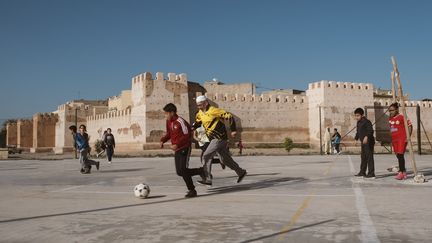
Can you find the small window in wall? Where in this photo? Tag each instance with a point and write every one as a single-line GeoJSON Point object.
{"type": "Point", "coordinates": [352, 86]}
{"type": "Point", "coordinates": [345, 86]}
{"type": "Point", "coordinates": [366, 87]}
{"type": "Point", "coordinates": [277, 99]}
{"type": "Point", "coordinates": [329, 85]}
{"type": "Point", "coordinates": [359, 87]}
{"type": "Point", "coordinates": [337, 85]}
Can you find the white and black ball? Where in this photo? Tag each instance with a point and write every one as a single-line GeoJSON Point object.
{"type": "Point", "coordinates": [141, 190]}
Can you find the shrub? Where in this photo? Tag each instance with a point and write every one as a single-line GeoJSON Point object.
{"type": "Point", "coordinates": [288, 144]}
{"type": "Point", "coordinates": [99, 146]}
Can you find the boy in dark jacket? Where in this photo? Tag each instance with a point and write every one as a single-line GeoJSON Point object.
{"type": "Point", "coordinates": [180, 134]}
{"type": "Point", "coordinates": [109, 142]}
{"type": "Point", "coordinates": [366, 137]}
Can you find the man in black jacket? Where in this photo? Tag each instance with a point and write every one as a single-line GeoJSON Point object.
{"type": "Point", "coordinates": [366, 137]}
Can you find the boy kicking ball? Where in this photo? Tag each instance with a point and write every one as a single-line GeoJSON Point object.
{"type": "Point", "coordinates": [180, 133]}
{"type": "Point", "coordinates": [399, 138]}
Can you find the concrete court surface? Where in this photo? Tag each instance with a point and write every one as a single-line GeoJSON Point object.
{"type": "Point", "coordinates": [283, 199]}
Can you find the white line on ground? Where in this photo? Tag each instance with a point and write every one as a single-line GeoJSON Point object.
{"type": "Point", "coordinates": [368, 231]}
{"type": "Point", "coordinates": [239, 194]}
{"type": "Point", "coordinates": [68, 188]}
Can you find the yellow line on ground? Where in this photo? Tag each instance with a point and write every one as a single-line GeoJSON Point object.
{"type": "Point", "coordinates": [303, 206]}
{"type": "Point", "coordinates": [296, 215]}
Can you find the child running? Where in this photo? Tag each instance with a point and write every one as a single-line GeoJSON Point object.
{"type": "Point", "coordinates": [180, 133]}
{"type": "Point", "coordinates": [211, 118]}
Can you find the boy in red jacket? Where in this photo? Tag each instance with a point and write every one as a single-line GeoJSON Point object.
{"type": "Point", "coordinates": [180, 133]}
{"type": "Point", "coordinates": [399, 138]}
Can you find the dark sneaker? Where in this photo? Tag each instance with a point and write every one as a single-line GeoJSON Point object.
{"type": "Point", "coordinates": [223, 166]}
{"type": "Point", "coordinates": [370, 176]}
{"type": "Point", "coordinates": [205, 182]}
{"type": "Point", "coordinates": [202, 175]}
{"type": "Point", "coordinates": [191, 193]}
{"type": "Point", "coordinates": [360, 175]}
{"type": "Point", "coordinates": [97, 165]}
{"type": "Point", "coordinates": [240, 178]}
{"type": "Point", "coordinates": [82, 171]}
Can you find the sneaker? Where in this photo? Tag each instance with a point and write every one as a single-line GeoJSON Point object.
{"type": "Point", "coordinates": [360, 174]}
{"type": "Point", "coordinates": [82, 171]}
{"type": "Point", "coordinates": [370, 176]}
{"type": "Point", "coordinates": [223, 166]}
{"type": "Point", "coordinates": [191, 193]}
{"type": "Point", "coordinates": [399, 176]}
{"type": "Point", "coordinates": [202, 175]}
{"type": "Point", "coordinates": [87, 171]}
{"type": "Point", "coordinates": [205, 182]}
{"type": "Point", "coordinates": [97, 165]}
{"type": "Point", "coordinates": [240, 178]}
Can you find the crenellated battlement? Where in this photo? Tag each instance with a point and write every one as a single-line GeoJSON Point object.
{"type": "Point", "coordinates": [147, 76]}
{"type": "Point", "coordinates": [110, 115]}
{"type": "Point", "coordinates": [325, 84]}
{"type": "Point", "coordinates": [251, 98]}
{"type": "Point", "coordinates": [412, 103]}
{"type": "Point", "coordinates": [45, 117]}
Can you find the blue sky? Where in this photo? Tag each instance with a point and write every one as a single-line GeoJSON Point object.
{"type": "Point", "coordinates": [55, 51]}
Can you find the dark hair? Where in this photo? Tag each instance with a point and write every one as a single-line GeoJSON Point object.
{"type": "Point", "coordinates": [335, 129]}
{"type": "Point", "coordinates": [109, 129]}
{"type": "Point", "coordinates": [170, 108]}
{"type": "Point", "coordinates": [395, 105]}
{"type": "Point", "coordinates": [359, 111]}
{"type": "Point", "coordinates": [84, 127]}
{"type": "Point", "coordinates": [73, 128]}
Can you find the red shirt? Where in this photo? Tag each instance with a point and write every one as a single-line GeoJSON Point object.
{"type": "Point", "coordinates": [179, 131]}
{"type": "Point", "coordinates": [397, 128]}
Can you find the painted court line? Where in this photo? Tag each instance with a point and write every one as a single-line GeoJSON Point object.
{"type": "Point", "coordinates": [368, 231]}
{"type": "Point", "coordinates": [239, 194]}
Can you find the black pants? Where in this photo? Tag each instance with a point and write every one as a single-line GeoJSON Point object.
{"type": "Point", "coordinates": [181, 159]}
{"type": "Point", "coordinates": [337, 147]}
{"type": "Point", "coordinates": [367, 158]}
{"type": "Point", "coordinates": [109, 152]}
{"type": "Point", "coordinates": [401, 160]}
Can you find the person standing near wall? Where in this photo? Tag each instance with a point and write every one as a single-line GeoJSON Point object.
{"type": "Point", "coordinates": [336, 138]}
{"type": "Point", "coordinates": [366, 137]}
{"type": "Point", "coordinates": [399, 138]}
{"type": "Point", "coordinates": [211, 118]}
{"type": "Point", "coordinates": [109, 142]}
{"type": "Point", "coordinates": [327, 141]}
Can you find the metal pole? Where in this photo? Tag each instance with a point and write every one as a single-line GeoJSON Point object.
{"type": "Point", "coordinates": [320, 132]}
{"type": "Point", "coordinates": [418, 130]}
{"type": "Point", "coordinates": [76, 125]}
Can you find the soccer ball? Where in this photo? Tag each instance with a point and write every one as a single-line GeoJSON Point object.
{"type": "Point", "coordinates": [142, 190]}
